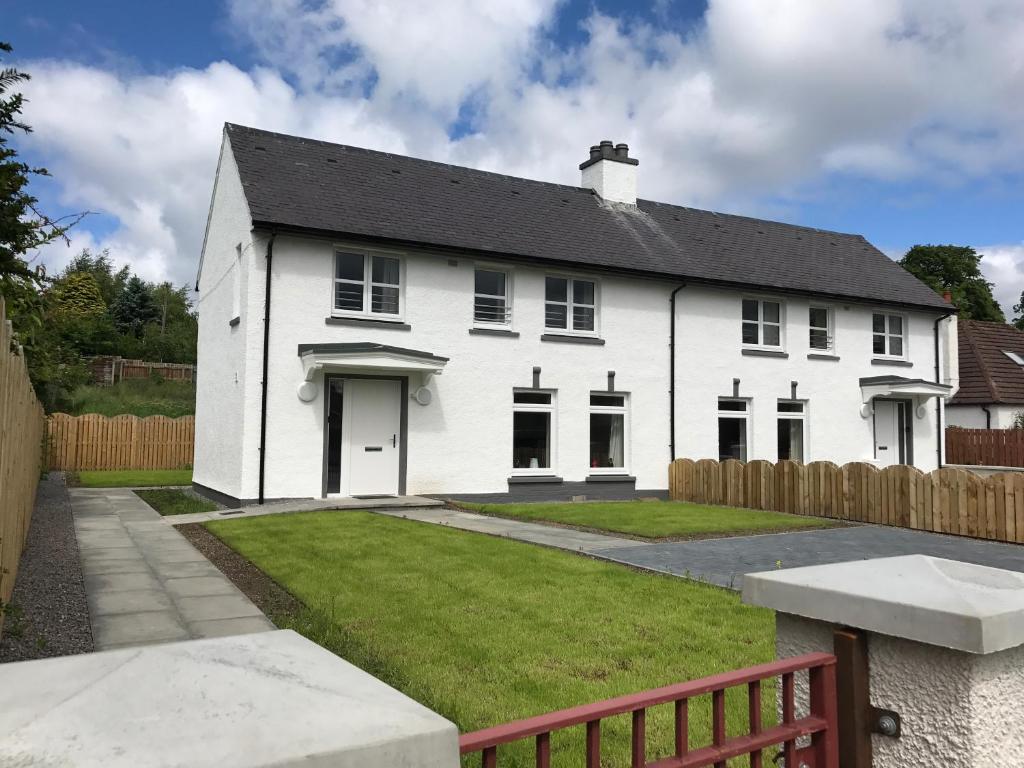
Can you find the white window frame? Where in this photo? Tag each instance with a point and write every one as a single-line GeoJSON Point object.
{"type": "Point", "coordinates": [368, 284]}
{"type": "Point", "coordinates": [761, 323]}
{"type": "Point", "coordinates": [551, 408]}
{"type": "Point", "coordinates": [626, 443]}
{"type": "Point", "coordinates": [830, 330]}
{"type": "Point", "coordinates": [507, 324]}
{"type": "Point", "coordinates": [569, 305]}
{"type": "Point", "coordinates": [904, 336]}
{"type": "Point", "coordinates": [800, 416]}
{"type": "Point", "coordinates": [744, 415]}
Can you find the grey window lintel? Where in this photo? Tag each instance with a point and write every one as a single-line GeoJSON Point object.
{"type": "Point", "coordinates": [369, 322]}
{"type": "Point", "coordinates": [528, 479]}
{"type": "Point", "coordinates": [893, 363]}
{"type": "Point", "coordinates": [567, 339]}
{"type": "Point", "coordinates": [493, 332]}
{"type": "Point", "coordinates": [765, 353]}
{"type": "Point", "coordinates": [823, 356]}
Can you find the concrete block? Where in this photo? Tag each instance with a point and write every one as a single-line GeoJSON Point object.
{"type": "Point", "coordinates": [137, 629]}
{"type": "Point", "coordinates": [257, 700]}
{"type": "Point", "coordinates": [107, 603]}
{"type": "Point", "coordinates": [946, 603]}
{"type": "Point", "coordinates": [216, 607]}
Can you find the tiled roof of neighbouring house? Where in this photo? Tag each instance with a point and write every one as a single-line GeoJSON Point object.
{"type": "Point", "coordinates": [987, 373]}
{"type": "Point", "coordinates": [316, 186]}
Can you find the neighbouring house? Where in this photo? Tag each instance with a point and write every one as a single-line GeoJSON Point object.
{"type": "Point", "coordinates": [991, 392]}
{"type": "Point", "coordinates": [373, 324]}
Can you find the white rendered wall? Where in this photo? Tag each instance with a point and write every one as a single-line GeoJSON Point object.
{"type": "Point", "coordinates": [224, 360]}
{"type": "Point", "coordinates": [709, 356]}
{"type": "Point", "coordinates": [462, 441]}
{"type": "Point", "coordinates": [973, 417]}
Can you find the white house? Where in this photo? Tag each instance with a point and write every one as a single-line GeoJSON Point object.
{"type": "Point", "coordinates": [431, 329]}
{"type": "Point", "coordinates": [991, 392]}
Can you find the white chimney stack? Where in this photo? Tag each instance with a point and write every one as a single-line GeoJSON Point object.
{"type": "Point", "coordinates": [611, 173]}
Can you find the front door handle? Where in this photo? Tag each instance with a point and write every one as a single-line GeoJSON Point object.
{"type": "Point", "coordinates": [394, 441]}
{"type": "Point", "coordinates": [883, 447]}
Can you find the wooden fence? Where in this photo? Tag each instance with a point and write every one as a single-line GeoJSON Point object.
{"type": "Point", "coordinates": [944, 501]}
{"type": "Point", "coordinates": [120, 442]}
{"type": "Point", "coordinates": [21, 444]}
{"type": "Point", "coordinates": [985, 447]}
{"type": "Point", "coordinates": [107, 370]}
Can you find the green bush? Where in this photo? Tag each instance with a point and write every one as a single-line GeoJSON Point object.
{"type": "Point", "coordinates": [139, 397]}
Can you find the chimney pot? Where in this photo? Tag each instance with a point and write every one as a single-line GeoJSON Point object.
{"type": "Point", "coordinates": [948, 297]}
{"type": "Point", "coordinates": [606, 143]}
{"type": "Point", "coordinates": [622, 150]}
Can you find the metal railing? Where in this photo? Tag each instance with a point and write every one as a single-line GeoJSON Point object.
{"type": "Point", "coordinates": [819, 725]}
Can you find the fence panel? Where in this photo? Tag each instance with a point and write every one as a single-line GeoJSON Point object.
{"type": "Point", "coordinates": [985, 447]}
{"type": "Point", "coordinates": [93, 441]}
{"type": "Point", "coordinates": [947, 500]}
{"type": "Point", "coordinates": [21, 444]}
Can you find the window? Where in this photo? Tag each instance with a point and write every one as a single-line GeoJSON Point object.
{"type": "Point", "coordinates": [570, 305]}
{"type": "Point", "coordinates": [491, 305]}
{"type": "Point", "coordinates": [532, 441]}
{"type": "Point", "coordinates": [607, 433]}
{"type": "Point", "coordinates": [791, 430]}
{"type": "Point", "coordinates": [732, 429]}
{"type": "Point", "coordinates": [821, 333]}
{"type": "Point", "coordinates": [888, 335]}
{"type": "Point", "coordinates": [762, 323]}
{"type": "Point", "coordinates": [353, 293]}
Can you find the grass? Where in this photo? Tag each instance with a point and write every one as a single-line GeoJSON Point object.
{"type": "Point", "coordinates": [484, 630]}
{"type": "Point", "coordinates": [133, 478]}
{"type": "Point", "coordinates": [168, 501]}
{"type": "Point", "coordinates": [656, 519]}
{"type": "Point", "coordinates": [139, 397]}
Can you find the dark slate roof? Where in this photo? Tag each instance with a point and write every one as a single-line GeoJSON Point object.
{"type": "Point", "coordinates": [315, 186]}
{"type": "Point", "coordinates": [987, 375]}
{"type": "Point", "coordinates": [368, 346]}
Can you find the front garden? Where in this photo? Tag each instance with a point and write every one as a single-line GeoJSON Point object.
{"type": "Point", "coordinates": [486, 630]}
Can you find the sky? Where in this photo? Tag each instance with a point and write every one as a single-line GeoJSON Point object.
{"type": "Point", "coordinates": [902, 120]}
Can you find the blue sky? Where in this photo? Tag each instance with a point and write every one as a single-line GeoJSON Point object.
{"type": "Point", "coordinates": [896, 119]}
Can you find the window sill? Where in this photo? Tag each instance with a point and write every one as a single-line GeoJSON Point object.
{"type": "Point", "coordinates": [893, 363]}
{"type": "Point", "coordinates": [494, 332]}
{"type": "Point", "coordinates": [369, 322]}
{"type": "Point", "coordinates": [765, 353]}
{"type": "Point", "coordinates": [823, 356]}
{"type": "Point", "coordinates": [565, 338]}
{"type": "Point", "coordinates": [234, 321]}
{"type": "Point", "coordinates": [610, 479]}
{"type": "Point", "coordinates": [524, 479]}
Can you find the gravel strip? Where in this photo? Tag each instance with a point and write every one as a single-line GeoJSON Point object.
{"type": "Point", "coordinates": [49, 614]}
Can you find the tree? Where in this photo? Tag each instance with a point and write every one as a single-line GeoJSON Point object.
{"type": "Point", "coordinates": [101, 267]}
{"type": "Point", "coordinates": [134, 309]}
{"type": "Point", "coordinates": [1018, 310]}
{"type": "Point", "coordinates": [78, 296]}
{"type": "Point", "coordinates": [957, 269]}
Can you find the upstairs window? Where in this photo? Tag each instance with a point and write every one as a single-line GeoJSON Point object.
{"type": "Point", "coordinates": [491, 303]}
{"type": "Point", "coordinates": [821, 333]}
{"type": "Point", "coordinates": [381, 294]}
{"type": "Point", "coordinates": [888, 335]}
{"type": "Point", "coordinates": [762, 323]}
{"type": "Point", "coordinates": [570, 305]}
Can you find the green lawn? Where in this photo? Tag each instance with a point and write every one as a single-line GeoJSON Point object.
{"type": "Point", "coordinates": [139, 397]}
{"type": "Point", "coordinates": [486, 630]}
{"type": "Point", "coordinates": [137, 478]}
{"type": "Point", "coordinates": [655, 519]}
{"type": "Point", "coordinates": [168, 501]}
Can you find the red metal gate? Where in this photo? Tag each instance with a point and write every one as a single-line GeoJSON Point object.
{"type": "Point", "coordinates": [819, 724]}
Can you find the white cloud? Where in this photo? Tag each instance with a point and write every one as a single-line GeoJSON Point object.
{"type": "Point", "coordinates": [760, 99]}
{"type": "Point", "coordinates": [1003, 265]}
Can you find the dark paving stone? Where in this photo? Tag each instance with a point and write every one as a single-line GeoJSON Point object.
{"type": "Point", "coordinates": [724, 561]}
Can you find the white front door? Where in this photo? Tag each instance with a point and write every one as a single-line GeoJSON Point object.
{"type": "Point", "coordinates": [891, 432]}
{"type": "Point", "coordinates": [371, 435]}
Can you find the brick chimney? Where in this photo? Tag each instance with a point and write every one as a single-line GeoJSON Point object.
{"type": "Point", "coordinates": [611, 172]}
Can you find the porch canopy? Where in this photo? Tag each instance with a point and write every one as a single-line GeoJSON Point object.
{"type": "Point", "coordinates": [899, 386]}
{"type": "Point", "coordinates": [368, 356]}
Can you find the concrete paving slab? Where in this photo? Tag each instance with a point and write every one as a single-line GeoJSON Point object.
{"type": "Point", "coordinates": [199, 586]}
{"type": "Point", "coordinates": [107, 555]}
{"type": "Point", "coordinates": [216, 607]}
{"type": "Point", "coordinates": [93, 540]}
{"type": "Point", "coordinates": [137, 629]}
{"type": "Point", "coordinates": [120, 582]}
{"type": "Point", "coordinates": [137, 565]}
{"type": "Point", "coordinates": [106, 603]}
{"type": "Point", "coordinates": [221, 627]}
{"type": "Point", "coordinates": [184, 570]}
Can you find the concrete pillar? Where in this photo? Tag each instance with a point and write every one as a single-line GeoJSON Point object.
{"type": "Point", "coordinates": [945, 651]}
{"type": "Point", "coordinates": [268, 699]}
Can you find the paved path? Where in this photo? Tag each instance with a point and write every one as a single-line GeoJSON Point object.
{"type": "Point", "coordinates": [304, 505]}
{"type": "Point", "coordinates": [144, 582]}
{"type": "Point", "coordinates": [725, 561]}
